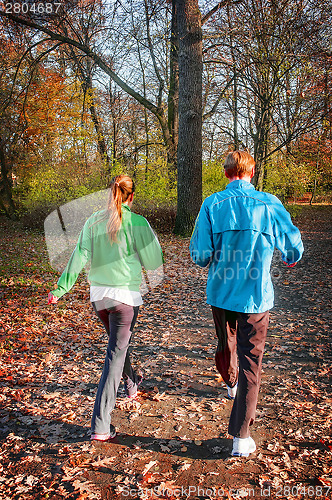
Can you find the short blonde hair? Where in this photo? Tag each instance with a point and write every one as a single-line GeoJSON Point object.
{"type": "Point", "coordinates": [239, 164]}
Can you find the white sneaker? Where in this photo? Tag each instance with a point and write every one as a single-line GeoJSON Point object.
{"type": "Point", "coordinates": [104, 437]}
{"type": "Point", "coordinates": [232, 391]}
{"type": "Point", "coordinates": [242, 447]}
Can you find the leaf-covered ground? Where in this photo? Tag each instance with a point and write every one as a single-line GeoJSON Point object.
{"type": "Point", "coordinates": [172, 441]}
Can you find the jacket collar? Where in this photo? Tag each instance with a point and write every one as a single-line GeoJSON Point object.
{"type": "Point", "coordinates": [125, 207]}
{"type": "Point", "coordinates": [240, 184]}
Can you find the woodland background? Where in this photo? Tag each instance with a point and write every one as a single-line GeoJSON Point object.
{"type": "Point", "coordinates": [93, 90]}
{"type": "Point", "coordinates": [162, 90]}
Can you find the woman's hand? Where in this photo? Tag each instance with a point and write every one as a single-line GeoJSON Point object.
{"type": "Point", "coordinates": [52, 299]}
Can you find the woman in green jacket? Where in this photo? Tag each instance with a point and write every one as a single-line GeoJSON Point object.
{"type": "Point", "coordinates": [117, 243]}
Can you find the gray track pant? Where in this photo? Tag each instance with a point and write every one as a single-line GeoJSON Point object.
{"type": "Point", "coordinates": [119, 321]}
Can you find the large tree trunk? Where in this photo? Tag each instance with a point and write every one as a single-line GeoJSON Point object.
{"type": "Point", "coordinates": [190, 116]}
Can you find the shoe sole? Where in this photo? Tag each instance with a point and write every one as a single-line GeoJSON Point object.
{"type": "Point", "coordinates": [239, 454]}
{"type": "Point", "coordinates": [245, 453]}
{"type": "Point", "coordinates": [95, 437]}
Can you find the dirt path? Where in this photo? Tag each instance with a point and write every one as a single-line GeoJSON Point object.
{"type": "Point", "coordinates": [172, 442]}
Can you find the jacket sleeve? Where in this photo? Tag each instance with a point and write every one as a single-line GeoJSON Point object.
{"type": "Point", "coordinates": [287, 236]}
{"type": "Point", "coordinates": [201, 242]}
{"type": "Point", "coordinates": [147, 246]}
{"type": "Point", "coordinates": [77, 261]}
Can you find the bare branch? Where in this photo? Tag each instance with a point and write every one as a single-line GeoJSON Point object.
{"type": "Point", "coordinates": [34, 67]}
{"type": "Point", "coordinates": [219, 61]}
{"type": "Point", "coordinates": [220, 97]}
{"type": "Point", "coordinates": [7, 101]}
{"type": "Point", "coordinates": [150, 44]}
{"type": "Point", "coordinates": [97, 59]}
{"type": "Point", "coordinates": [219, 5]}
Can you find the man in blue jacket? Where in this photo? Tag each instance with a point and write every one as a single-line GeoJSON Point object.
{"type": "Point", "coordinates": [235, 234]}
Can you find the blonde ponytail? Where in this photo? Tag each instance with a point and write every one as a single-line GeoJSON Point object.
{"type": "Point", "coordinates": [121, 187]}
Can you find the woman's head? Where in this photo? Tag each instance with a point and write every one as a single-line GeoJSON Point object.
{"type": "Point", "coordinates": [121, 186]}
{"type": "Point", "coordinates": [122, 190]}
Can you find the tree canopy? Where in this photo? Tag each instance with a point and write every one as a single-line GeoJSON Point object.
{"type": "Point", "coordinates": [162, 91]}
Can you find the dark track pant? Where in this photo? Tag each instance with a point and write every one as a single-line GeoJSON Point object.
{"type": "Point", "coordinates": [119, 321]}
{"type": "Point", "coordinates": [241, 340]}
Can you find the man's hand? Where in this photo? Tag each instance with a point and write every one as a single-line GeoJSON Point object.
{"type": "Point", "coordinates": [289, 265]}
{"type": "Point", "coordinates": [52, 299]}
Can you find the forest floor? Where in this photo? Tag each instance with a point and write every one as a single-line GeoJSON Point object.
{"type": "Point", "coordinates": [172, 441]}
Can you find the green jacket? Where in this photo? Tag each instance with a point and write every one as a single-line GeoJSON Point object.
{"type": "Point", "coordinates": [118, 264]}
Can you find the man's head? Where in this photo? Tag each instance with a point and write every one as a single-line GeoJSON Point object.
{"type": "Point", "coordinates": [240, 165]}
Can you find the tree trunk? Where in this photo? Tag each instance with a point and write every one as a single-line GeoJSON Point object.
{"type": "Point", "coordinates": [173, 97]}
{"type": "Point", "coordinates": [190, 116]}
{"type": "Point", "coordinates": [261, 140]}
{"type": "Point", "coordinates": [234, 104]}
{"type": "Point", "coordinates": [314, 189]}
{"type": "Point", "coordinates": [84, 73]}
{"type": "Point", "coordinates": [313, 193]}
{"type": "Point", "coordinates": [102, 148]}
{"type": "Point", "coordinates": [259, 175]}
{"type": "Point", "coordinates": [101, 143]}
{"type": "Point", "coordinates": [235, 112]}
{"type": "Point", "coordinates": [7, 201]}
{"type": "Point", "coordinates": [112, 99]}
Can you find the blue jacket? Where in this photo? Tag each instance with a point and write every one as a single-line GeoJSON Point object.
{"type": "Point", "coordinates": [235, 234]}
